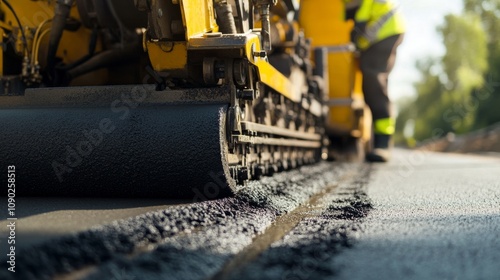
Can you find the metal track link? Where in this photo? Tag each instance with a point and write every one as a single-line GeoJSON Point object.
{"type": "Point", "coordinates": [261, 128]}
{"type": "Point", "coordinates": [277, 134]}
{"type": "Point", "coordinates": [278, 141]}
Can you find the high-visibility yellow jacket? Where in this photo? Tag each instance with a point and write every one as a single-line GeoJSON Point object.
{"type": "Point", "coordinates": [382, 20]}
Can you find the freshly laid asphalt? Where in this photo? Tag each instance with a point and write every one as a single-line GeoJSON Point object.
{"type": "Point", "coordinates": [424, 215]}
{"type": "Point", "coordinates": [429, 216]}
{"type": "Point", "coordinates": [435, 216]}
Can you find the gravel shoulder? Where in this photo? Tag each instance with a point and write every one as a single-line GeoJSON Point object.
{"type": "Point", "coordinates": [189, 241]}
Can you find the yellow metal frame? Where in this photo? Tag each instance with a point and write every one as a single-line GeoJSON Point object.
{"type": "Point", "coordinates": [324, 22]}
{"type": "Point", "coordinates": [277, 81]}
{"type": "Point", "coordinates": [168, 55]}
{"type": "Point", "coordinates": [198, 18]}
{"type": "Point", "coordinates": [197, 23]}
{"type": "Point", "coordinates": [321, 20]}
{"type": "Point", "coordinates": [173, 56]}
{"type": "Point", "coordinates": [268, 74]}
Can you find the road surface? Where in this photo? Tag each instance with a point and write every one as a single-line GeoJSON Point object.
{"type": "Point", "coordinates": [422, 216]}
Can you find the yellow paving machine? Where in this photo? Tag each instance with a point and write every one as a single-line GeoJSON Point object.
{"type": "Point", "coordinates": [174, 98]}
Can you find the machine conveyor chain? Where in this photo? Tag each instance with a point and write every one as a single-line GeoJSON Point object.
{"type": "Point", "coordinates": [264, 144]}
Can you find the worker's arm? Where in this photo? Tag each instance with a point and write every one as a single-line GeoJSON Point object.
{"type": "Point", "coordinates": [364, 12]}
{"type": "Point", "coordinates": [351, 8]}
{"type": "Point", "coordinates": [361, 18]}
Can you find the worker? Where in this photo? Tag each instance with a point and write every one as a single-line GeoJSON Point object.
{"type": "Point", "coordinates": [378, 31]}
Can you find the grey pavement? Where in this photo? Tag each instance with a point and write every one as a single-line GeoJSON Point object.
{"type": "Point", "coordinates": [435, 216]}
{"type": "Point", "coordinates": [424, 215]}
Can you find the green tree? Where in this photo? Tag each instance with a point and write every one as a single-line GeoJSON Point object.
{"type": "Point", "coordinates": [488, 96]}
{"type": "Point", "coordinates": [464, 65]}
{"type": "Point", "coordinates": [451, 94]}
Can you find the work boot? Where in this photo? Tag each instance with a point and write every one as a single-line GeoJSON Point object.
{"type": "Point", "coordinates": [382, 145]}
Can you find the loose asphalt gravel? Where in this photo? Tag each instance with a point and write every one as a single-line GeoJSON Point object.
{"type": "Point", "coordinates": [183, 242]}
{"type": "Point", "coordinates": [422, 216]}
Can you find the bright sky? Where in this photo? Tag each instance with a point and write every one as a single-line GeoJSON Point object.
{"type": "Point", "coordinates": [421, 40]}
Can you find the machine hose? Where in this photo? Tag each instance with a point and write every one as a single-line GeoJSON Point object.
{"type": "Point", "coordinates": [225, 18]}
{"type": "Point", "coordinates": [23, 35]}
{"type": "Point", "coordinates": [62, 11]}
{"type": "Point", "coordinates": [106, 58]}
{"type": "Point", "coordinates": [91, 52]}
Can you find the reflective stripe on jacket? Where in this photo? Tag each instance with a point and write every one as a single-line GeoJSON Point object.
{"type": "Point", "coordinates": [383, 20]}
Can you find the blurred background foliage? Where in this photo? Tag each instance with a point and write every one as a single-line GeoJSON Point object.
{"type": "Point", "coordinates": [460, 91]}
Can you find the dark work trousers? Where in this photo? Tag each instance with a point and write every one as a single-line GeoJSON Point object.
{"type": "Point", "coordinates": [376, 63]}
